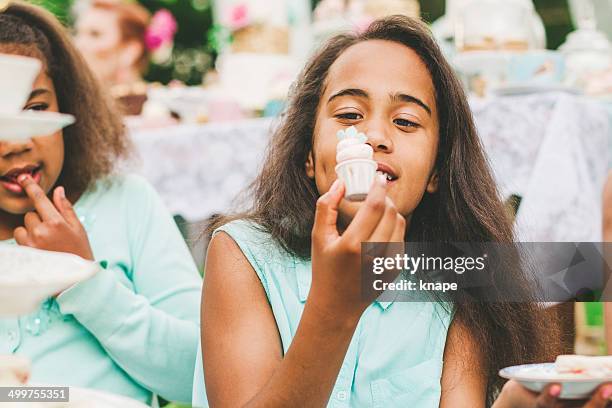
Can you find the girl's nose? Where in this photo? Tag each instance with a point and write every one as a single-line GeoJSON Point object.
{"type": "Point", "coordinates": [378, 138]}
{"type": "Point", "coordinates": [9, 148]}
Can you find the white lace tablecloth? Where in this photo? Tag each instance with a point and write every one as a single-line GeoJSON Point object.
{"type": "Point", "coordinates": [551, 149]}
{"type": "Point", "coordinates": [200, 169]}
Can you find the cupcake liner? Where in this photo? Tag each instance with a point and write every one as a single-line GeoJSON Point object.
{"type": "Point", "coordinates": [358, 176]}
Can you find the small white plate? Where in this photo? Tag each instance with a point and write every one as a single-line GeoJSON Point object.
{"type": "Point", "coordinates": [535, 377]}
{"type": "Point", "coordinates": [27, 124]}
{"type": "Point", "coordinates": [28, 276]}
{"type": "Point", "coordinates": [526, 89]}
{"type": "Point", "coordinates": [89, 398]}
{"type": "Point", "coordinates": [85, 397]}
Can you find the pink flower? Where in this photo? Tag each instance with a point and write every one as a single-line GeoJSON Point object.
{"type": "Point", "coordinates": [152, 41]}
{"type": "Point", "coordinates": [238, 17]}
{"type": "Point", "coordinates": [161, 30]}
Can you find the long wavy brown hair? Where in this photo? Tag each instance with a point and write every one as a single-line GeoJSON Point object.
{"type": "Point", "coordinates": [466, 207]}
{"type": "Point", "coordinates": [97, 139]}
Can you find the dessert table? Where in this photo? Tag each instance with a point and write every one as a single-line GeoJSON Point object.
{"type": "Point", "coordinates": [549, 148]}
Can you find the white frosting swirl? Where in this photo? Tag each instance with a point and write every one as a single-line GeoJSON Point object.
{"type": "Point", "coordinates": [352, 146]}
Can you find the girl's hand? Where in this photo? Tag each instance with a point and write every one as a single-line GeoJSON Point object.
{"type": "Point", "coordinates": [54, 226]}
{"type": "Point", "coordinates": [336, 259]}
{"type": "Point", "coordinates": [514, 395]}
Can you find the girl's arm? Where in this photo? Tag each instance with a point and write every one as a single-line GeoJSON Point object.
{"type": "Point", "coordinates": [241, 347]}
{"type": "Point", "coordinates": [242, 353]}
{"type": "Point", "coordinates": [463, 374]}
{"type": "Point", "coordinates": [149, 324]}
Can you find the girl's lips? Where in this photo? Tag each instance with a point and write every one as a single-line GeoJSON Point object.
{"type": "Point", "coordinates": [387, 171]}
{"type": "Point", "coordinates": [13, 186]}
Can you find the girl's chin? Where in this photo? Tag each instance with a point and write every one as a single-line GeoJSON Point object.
{"type": "Point", "coordinates": [17, 206]}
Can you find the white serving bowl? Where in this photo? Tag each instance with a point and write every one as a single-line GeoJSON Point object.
{"type": "Point", "coordinates": [89, 398]}
{"type": "Point", "coordinates": [28, 276]}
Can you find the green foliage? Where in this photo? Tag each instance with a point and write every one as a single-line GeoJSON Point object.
{"type": "Point", "coordinates": [192, 56]}
{"type": "Point", "coordinates": [61, 8]}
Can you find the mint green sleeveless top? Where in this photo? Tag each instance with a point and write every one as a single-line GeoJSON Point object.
{"type": "Point", "coordinates": [395, 356]}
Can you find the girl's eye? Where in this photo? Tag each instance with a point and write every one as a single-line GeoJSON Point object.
{"type": "Point", "coordinates": [37, 107]}
{"type": "Point", "coordinates": [349, 116]}
{"type": "Point", "coordinates": [406, 123]}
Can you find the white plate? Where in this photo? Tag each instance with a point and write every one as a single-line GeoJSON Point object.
{"type": "Point", "coordinates": [88, 398]}
{"type": "Point", "coordinates": [535, 377]}
{"type": "Point", "coordinates": [509, 90]}
{"type": "Point", "coordinates": [28, 276]}
{"type": "Point", "coordinates": [27, 124]}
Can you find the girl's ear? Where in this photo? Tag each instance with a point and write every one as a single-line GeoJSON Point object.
{"type": "Point", "coordinates": [310, 166]}
{"type": "Point", "coordinates": [432, 185]}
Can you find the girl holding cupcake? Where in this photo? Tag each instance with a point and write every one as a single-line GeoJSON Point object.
{"type": "Point", "coordinates": [132, 329]}
{"type": "Point", "coordinates": [284, 321]}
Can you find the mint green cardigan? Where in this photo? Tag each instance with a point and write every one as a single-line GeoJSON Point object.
{"type": "Point", "coordinates": [133, 328]}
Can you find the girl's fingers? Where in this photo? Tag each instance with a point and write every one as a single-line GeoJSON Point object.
{"type": "Point", "coordinates": [601, 397]}
{"type": "Point", "coordinates": [514, 395]}
{"type": "Point", "coordinates": [548, 396]}
{"type": "Point", "coordinates": [369, 214]}
{"type": "Point", "coordinates": [43, 205]}
{"type": "Point", "coordinates": [31, 220]}
{"type": "Point", "coordinates": [326, 214]}
{"type": "Point", "coordinates": [21, 236]}
{"type": "Point", "coordinates": [399, 230]}
{"type": "Point", "coordinates": [65, 206]}
{"type": "Point", "coordinates": [385, 227]}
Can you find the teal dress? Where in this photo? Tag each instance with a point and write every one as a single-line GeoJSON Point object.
{"type": "Point", "coordinates": [395, 356]}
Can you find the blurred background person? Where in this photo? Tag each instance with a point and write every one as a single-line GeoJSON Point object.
{"type": "Point", "coordinates": [111, 36]}
{"type": "Point", "coordinates": [118, 40]}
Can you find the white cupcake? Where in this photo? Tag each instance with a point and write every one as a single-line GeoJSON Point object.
{"type": "Point", "coordinates": [14, 370]}
{"type": "Point", "coordinates": [355, 165]}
